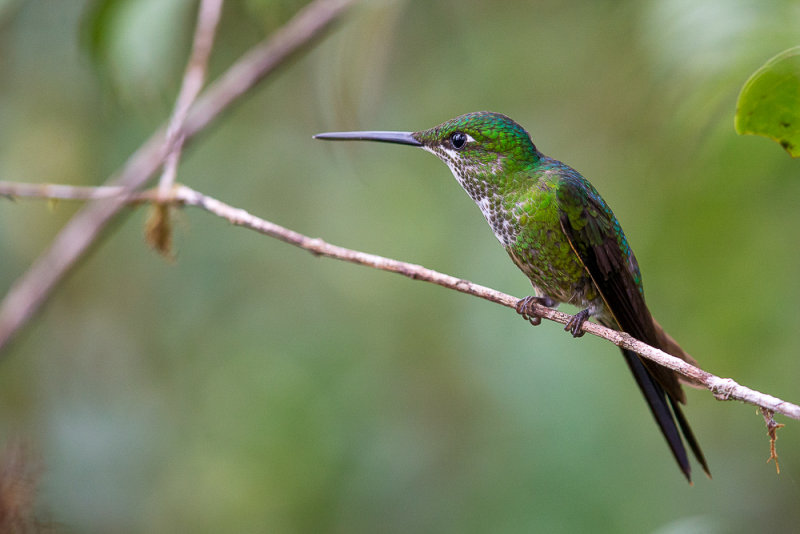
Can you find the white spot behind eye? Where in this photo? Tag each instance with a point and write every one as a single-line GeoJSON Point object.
{"type": "Point", "coordinates": [470, 139]}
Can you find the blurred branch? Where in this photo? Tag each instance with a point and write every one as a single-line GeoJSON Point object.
{"type": "Point", "coordinates": [58, 192]}
{"type": "Point", "coordinates": [193, 80]}
{"type": "Point", "coordinates": [721, 388]}
{"type": "Point", "coordinates": [73, 241]}
{"type": "Point", "coordinates": [158, 228]}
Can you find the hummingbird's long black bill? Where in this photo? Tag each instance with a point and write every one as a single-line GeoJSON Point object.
{"type": "Point", "coordinates": [400, 138]}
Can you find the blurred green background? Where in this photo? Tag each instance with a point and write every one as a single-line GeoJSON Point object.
{"type": "Point", "coordinates": [250, 387]}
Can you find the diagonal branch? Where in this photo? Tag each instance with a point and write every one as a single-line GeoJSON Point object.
{"type": "Point", "coordinates": [193, 80]}
{"type": "Point", "coordinates": [34, 286]}
{"type": "Point", "coordinates": [721, 388]}
{"type": "Point", "coordinates": [157, 229]}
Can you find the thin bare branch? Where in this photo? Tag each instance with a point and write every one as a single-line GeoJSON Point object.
{"type": "Point", "coordinates": [59, 192]}
{"type": "Point", "coordinates": [721, 388]}
{"type": "Point", "coordinates": [158, 229]}
{"type": "Point", "coordinates": [33, 287]}
{"type": "Point", "coordinates": [193, 80]}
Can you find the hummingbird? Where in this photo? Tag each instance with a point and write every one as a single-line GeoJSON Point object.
{"type": "Point", "coordinates": [563, 236]}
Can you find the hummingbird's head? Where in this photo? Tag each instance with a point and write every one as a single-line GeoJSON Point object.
{"type": "Point", "coordinates": [484, 144]}
{"type": "Point", "coordinates": [484, 150]}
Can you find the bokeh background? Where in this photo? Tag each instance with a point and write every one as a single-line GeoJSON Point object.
{"type": "Point", "coordinates": [250, 387]}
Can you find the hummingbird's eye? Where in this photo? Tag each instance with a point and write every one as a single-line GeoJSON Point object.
{"type": "Point", "coordinates": [458, 140]}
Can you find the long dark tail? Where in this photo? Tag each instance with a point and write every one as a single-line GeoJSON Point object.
{"type": "Point", "coordinates": [689, 435]}
{"type": "Point", "coordinates": [663, 413]}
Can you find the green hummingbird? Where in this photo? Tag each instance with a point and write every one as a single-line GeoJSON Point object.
{"type": "Point", "coordinates": [560, 232]}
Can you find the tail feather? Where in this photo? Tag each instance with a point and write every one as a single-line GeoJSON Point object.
{"type": "Point", "coordinates": [689, 435]}
{"type": "Point", "coordinates": [657, 401]}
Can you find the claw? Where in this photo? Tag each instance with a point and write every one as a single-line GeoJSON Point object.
{"type": "Point", "coordinates": [575, 325]}
{"type": "Point", "coordinates": [525, 307]}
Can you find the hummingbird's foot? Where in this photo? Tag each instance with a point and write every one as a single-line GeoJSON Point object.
{"type": "Point", "coordinates": [575, 324]}
{"type": "Point", "coordinates": [524, 307]}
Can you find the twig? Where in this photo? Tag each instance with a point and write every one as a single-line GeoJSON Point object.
{"type": "Point", "coordinates": [33, 287]}
{"type": "Point", "coordinates": [721, 388]}
{"type": "Point", "coordinates": [772, 432]}
{"type": "Point", "coordinates": [193, 80]}
{"type": "Point", "coordinates": [158, 230]}
{"type": "Point", "coordinates": [59, 192]}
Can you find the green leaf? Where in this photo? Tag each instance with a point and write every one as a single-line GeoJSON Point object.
{"type": "Point", "coordinates": [769, 103]}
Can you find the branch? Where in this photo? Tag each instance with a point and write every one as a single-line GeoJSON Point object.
{"type": "Point", "coordinates": [193, 80]}
{"type": "Point", "coordinates": [721, 388]}
{"type": "Point", "coordinates": [59, 192]}
{"type": "Point", "coordinates": [35, 285]}
{"type": "Point", "coordinates": [157, 228]}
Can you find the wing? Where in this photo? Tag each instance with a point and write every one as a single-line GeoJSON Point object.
{"type": "Point", "coordinates": [597, 238]}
